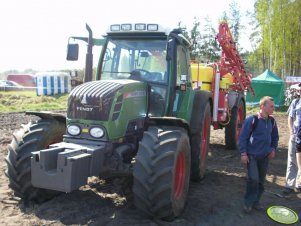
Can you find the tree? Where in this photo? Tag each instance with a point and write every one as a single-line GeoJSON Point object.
{"type": "Point", "coordinates": [195, 37]}
{"type": "Point", "coordinates": [254, 56]}
{"type": "Point", "coordinates": [232, 17]}
{"type": "Point", "coordinates": [204, 46]}
{"type": "Point", "coordinates": [234, 20]}
{"type": "Point", "coordinates": [209, 48]}
{"type": "Point", "coordinates": [279, 22]}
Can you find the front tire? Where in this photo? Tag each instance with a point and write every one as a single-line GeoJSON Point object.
{"type": "Point", "coordinates": [161, 172]}
{"type": "Point", "coordinates": [31, 137]}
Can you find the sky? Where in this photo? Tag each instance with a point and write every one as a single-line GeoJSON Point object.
{"type": "Point", "coordinates": [34, 33]}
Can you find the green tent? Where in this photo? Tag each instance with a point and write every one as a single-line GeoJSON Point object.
{"type": "Point", "coordinates": [267, 84]}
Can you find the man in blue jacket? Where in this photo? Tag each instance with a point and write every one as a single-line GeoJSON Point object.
{"type": "Point", "coordinates": [257, 144]}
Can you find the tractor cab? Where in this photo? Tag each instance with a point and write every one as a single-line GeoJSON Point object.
{"type": "Point", "coordinates": [146, 53]}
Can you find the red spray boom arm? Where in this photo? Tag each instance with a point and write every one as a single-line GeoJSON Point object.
{"type": "Point", "coordinates": [231, 61]}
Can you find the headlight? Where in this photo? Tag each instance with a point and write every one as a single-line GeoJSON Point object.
{"type": "Point", "coordinates": [96, 132]}
{"type": "Point", "coordinates": [73, 130]}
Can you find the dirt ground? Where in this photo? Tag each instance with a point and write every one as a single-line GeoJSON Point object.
{"type": "Point", "coordinates": [217, 200]}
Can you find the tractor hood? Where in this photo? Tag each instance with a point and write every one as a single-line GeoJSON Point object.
{"type": "Point", "coordinates": [104, 100]}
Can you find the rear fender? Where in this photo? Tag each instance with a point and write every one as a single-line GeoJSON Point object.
{"type": "Point", "coordinates": [234, 99]}
{"type": "Point", "coordinates": [239, 98]}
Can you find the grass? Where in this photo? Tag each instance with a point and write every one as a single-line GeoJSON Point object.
{"type": "Point", "coordinates": [278, 110]}
{"type": "Point", "coordinates": [20, 101]}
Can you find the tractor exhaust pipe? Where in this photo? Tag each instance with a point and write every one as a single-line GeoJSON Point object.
{"type": "Point", "coordinates": [89, 57]}
{"type": "Point", "coordinates": [72, 53]}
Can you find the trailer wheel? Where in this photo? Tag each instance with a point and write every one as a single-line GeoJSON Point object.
{"type": "Point", "coordinates": [161, 172]}
{"type": "Point", "coordinates": [232, 130]}
{"type": "Point", "coordinates": [200, 145]}
{"type": "Point", "coordinates": [31, 137]}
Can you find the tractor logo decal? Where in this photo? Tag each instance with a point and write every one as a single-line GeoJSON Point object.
{"type": "Point", "coordinates": [84, 100]}
{"type": "Point", "coordinates": [84, 109]}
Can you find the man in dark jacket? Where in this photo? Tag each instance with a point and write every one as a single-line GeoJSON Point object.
{"type": "Point", "coordinates": [258, 145]}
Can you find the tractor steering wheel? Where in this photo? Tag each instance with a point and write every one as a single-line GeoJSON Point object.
{"type": "Point", "coordinates": [141, 74]}
{"type": "Point", "coordinates": [144, 72]}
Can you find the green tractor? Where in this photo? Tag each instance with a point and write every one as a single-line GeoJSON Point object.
{"type": "Point", "coordinates": [140, 116]}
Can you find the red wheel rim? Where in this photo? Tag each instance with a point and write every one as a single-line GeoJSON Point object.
{"type": "Point", "coordinates": [239, 120]}
{"type": "Point", "coordinates": [180, 175]}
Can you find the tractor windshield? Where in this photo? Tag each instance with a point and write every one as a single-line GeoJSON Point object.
{"type": "Point", "coordinates": [143, 60]}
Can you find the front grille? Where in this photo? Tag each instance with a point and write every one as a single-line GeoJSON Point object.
{"type": "Point", "coordinates": [92, 100]}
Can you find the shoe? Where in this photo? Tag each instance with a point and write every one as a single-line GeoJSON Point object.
{"type": "Point", "coordinates": [297, 190]}
{"type": "Point", "coordinates": [287, 191]}
{"type": "Point", "coordinates": [258, 207]}
{"type": "Point", "coordinates": [247, 209]}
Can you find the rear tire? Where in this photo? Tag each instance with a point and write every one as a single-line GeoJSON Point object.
{"type": "Point", "coordinates": [232, 130]}
{"type": "Point", "coordinates": [31, 137]}
{"type": "Point", "coordinates": [161, 172]}
{"type": "Point", "coordinates": [200, 145]}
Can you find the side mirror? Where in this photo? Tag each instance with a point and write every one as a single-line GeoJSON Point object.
{"type": "Point", "coordinates": [72, 52]}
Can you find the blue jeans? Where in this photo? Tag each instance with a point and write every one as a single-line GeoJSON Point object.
{"type": "Point", "coordinates": [257, 170]}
